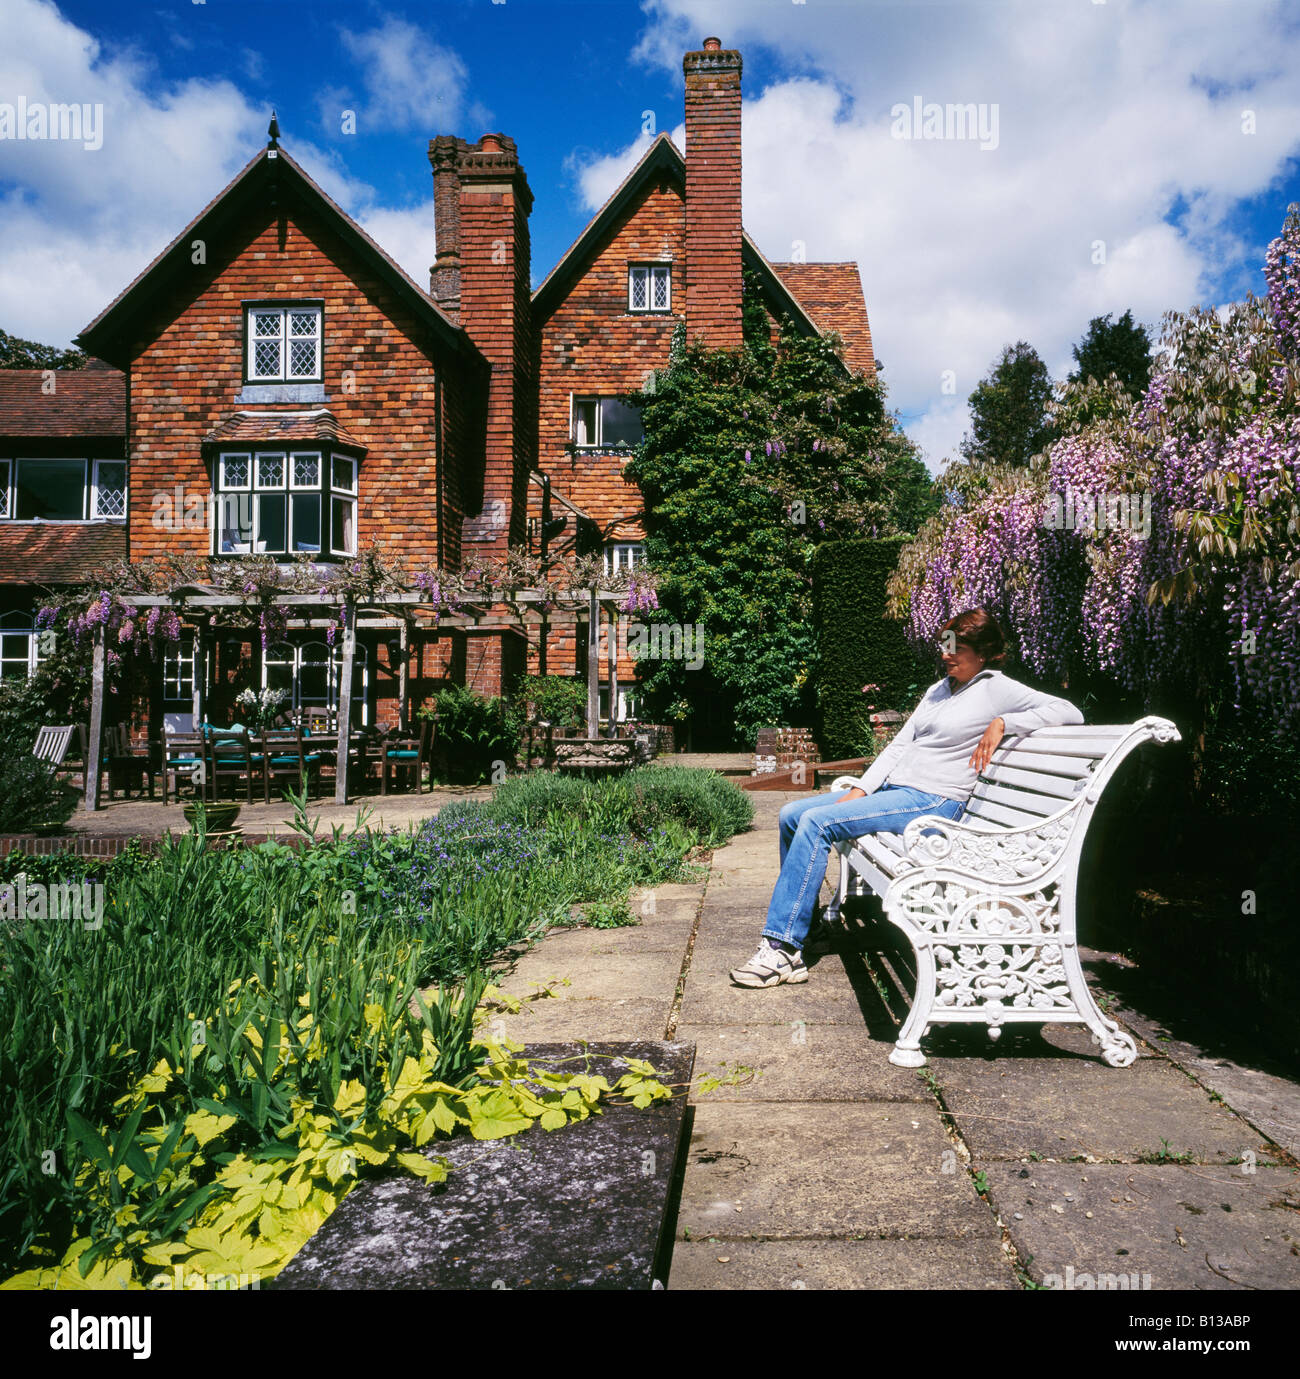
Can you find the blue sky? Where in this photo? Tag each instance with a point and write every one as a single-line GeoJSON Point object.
{"type": "Point", "coordinates": [1145, 152]}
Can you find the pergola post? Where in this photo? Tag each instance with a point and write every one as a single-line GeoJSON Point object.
{"type": "Point", "coordinates": [202, 635]}
{"type": "Point", "coordinates": [613, 672]}
{"type": "Point", "coordinates": [593, 664]}
{"type": "Point", "coordinates": [403, 678]}
{"type": "Point", "coordinates": [95, 747]}
{"type": "Point", "coordinates": [345, 702]}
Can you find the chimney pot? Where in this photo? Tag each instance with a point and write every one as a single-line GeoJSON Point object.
{"type": "Point", "coordinates": [489, 143]}
{"type": "Point", "coordinates": [712, 45]}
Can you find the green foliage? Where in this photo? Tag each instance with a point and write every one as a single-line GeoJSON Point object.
{"type": "Point", "coordinates": [857, 644]}
{"type": "Point", "coordinates": [750, 461]}
{"type": "Point", "coordinates": [1009, 409]}
{"type": "Point", "coordinates": [555, 699]}
{"type": "Point", "coordinates": [32, 798]}
{"type": "Point", "coordinates": [1121, 347]}
{"type": "Point", "coordinates": [16, 353]}
{"type": "Point", "coordinates": [207, 1091]}
{"type": "Point", "coordinates": [471, 731]}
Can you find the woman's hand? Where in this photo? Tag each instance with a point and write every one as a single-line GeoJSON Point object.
{"type": "Point", "coordinates": [852, 793]}
{"type": "Point", "coordinates": [987, 745]}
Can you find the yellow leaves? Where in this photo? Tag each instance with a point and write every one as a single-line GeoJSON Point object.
{"type": "Point", "coordinates": [553, 1118]}
{"type": "Point", "coordinates": [206, 1126]}
{"type": "Point", "coordinates": [351, 1097]}
{"type": "Point", "coordinates": [374, 1017]}
{"type": "Point", "coordinates": [215, 1253]}
{"type": "Point", "coordinates": [431, 1170]}
{"type": "Point", "coordinates": [105, 1275]}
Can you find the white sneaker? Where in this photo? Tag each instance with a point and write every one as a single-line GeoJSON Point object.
{"type": "Point", "coordinates": [770, 966]}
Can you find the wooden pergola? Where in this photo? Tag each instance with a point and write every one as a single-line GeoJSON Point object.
{"type": "Point", "coordinates": [387, 611]}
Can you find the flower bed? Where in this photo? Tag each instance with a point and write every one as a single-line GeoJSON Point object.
{"type": "Point", "coordinates": [195, 1081]}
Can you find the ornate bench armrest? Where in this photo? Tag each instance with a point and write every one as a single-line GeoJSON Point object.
{"type": "Point", "coordinates": [996, 855]}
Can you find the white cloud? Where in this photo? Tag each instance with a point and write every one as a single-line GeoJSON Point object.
{"type": "Point", "coordinates": [81, 224]}
{"type": "Point", "coordinates": [1110, 118]}
{"type": "Point", "coordinates": [410, 81]}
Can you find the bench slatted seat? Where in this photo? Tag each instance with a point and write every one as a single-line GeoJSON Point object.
{"type": "Point", "coordinates": [987, 901]}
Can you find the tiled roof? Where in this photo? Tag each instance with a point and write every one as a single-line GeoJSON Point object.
{"type": "Point", "coordinates": [85, 402]}
{"type": "Point", "coordinates": [831, 293]}
{"type": "Point", "coordinates": [58, 552]}
{"type": "Point", "coordinates": [321, 426]}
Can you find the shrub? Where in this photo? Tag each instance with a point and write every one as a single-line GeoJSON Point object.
{"type": "Point", "coordinates": [471, 732]}
{"type": "Point", "coordinates": [858, 645]}
{"type": "Point", "coordinates": [555, 699]}
{"type": "Point", "coordinates": [32, 798]}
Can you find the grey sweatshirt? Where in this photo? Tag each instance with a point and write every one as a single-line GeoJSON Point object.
{"type": "Point", "coordinates": [933, 748]}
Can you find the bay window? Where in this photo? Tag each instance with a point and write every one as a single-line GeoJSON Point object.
{"type": "Point", "coordinates": [280, 502]}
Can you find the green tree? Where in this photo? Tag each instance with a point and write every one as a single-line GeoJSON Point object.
{"type": "Point", "coordinates": [27, 354]}
{"type": "Point", "coordinates": [750, 461]}
{"type": "Point", "coordinates": [1009, 423]}
{"type": "Point", "coordinates": [1121, 347]}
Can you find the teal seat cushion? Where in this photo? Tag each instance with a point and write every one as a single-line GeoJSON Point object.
{"type": "Point", "coordinates": [402, 755]}
{"type": "Point", "coordinates": [309, 759]}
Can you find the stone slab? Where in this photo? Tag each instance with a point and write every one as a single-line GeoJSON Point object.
{"type": "Point", "coordinates": [802, 1062]}
{"type": "Point", "coordinates": [1170, 1225]}
{"type": "Point", "coordinates": [647, 976]}
{"type": "Point", "coordinates": [595, 1020]}
{"type": "Point", "coordinates": [1012, 1107]}
{"type": "Point", "coordinates": [582, 1207]}
{"type": "Point", "coordinates": [1271, 1103]}
{"type": "Point", "coordinates": [861, 1169]}
{"type": "Point", "coordinates": [711, 999]}
{"type": "Point", "coordinates": [841, 1264]}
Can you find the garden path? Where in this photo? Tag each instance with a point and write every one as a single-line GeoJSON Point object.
{"type": "Point", "coordinates": [994, 1167]}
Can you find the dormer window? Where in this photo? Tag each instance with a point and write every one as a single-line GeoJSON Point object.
{"type": "Point", "coordinates": [649, 287]}
{"type": "Point", "coordinates": [283, 343]}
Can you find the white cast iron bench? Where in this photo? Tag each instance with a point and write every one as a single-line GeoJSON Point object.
{"type": "Point", "coordinates": [987, 900]}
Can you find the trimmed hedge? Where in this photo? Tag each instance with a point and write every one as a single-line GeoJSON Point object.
{"type": "Point", "coordinates": [858, 645]}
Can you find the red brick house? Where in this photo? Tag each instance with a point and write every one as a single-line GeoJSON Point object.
{"type": "Point", "coordinates": [279, 372]}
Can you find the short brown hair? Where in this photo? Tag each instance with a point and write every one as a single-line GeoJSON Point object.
{"type": "Point", "coordinates": [978, 629]}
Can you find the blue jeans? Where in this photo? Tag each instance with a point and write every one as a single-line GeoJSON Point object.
{"type": "Point", "coordinates": [809, 827]}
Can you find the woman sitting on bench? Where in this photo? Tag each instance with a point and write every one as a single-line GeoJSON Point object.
{"type": "Point", "coordinates": [930, 768]}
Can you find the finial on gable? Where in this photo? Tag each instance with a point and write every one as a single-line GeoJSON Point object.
{"type": "Point", "coordinates": [273, 133]}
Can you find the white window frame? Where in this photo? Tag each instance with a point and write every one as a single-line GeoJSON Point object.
{"type": "Point", "coordinates": [575, 400]}
{"type": "Point", "coordinates": [288, 488]}
{"type": "Point", "coordinates": [624, 555]}
{"type": "Point", "coordinates": [6, 492]}
{"type": "Point", "coordinates": [95, 486]}
{"type": "Point", "coordinates": [283, 373]}
{"type": "Point", "coordinates": [629, 703]}
{"type": "Point", "coordinates": [274, 656]}
{"type": "Point", "coordinates": [28, 631]}
{"type": "Point", "coordinates": [12, 487]}
{"type": "Point", "coordinates": [178, 666]}
{"type": "Point", "coordinates": [650, 272]}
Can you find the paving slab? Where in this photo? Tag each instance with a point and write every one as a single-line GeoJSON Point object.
{"type": "Point", "coordinates": [595, 1020]}
{"type": "Point", "coordinates": [664, 936]}
{"type": "Point", "coordinates": [1154, 1226]}
{"type": "Point", "coordinates": [652, 975]}
{"type": "Point", "coordinates": [711, 999]}
{"type": "Point", "coordinates": [1271, 1103]}
{"type": "Point", "coordinates": [1009, 1108]}
{"type": "Point", "coordinates": [863, 1169]}
{"type": "Point", "coordinates": [579, 1207]}
{"type": "Point", "coordinates": [841, 1264]}
{"type": "Point", "coordinates": [802, 1062]}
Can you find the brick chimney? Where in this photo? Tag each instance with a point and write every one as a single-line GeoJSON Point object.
{"type": "Point", "coordinates": [444, 276]}
{"type": "Point", "coordinates": [713, 225]}
{"type": "Point", "coordinates": [481, 206]}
